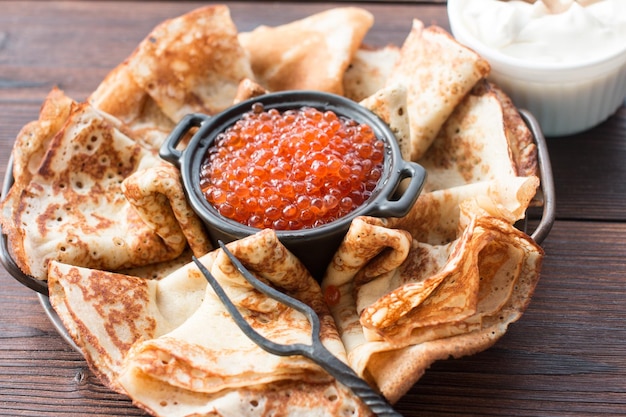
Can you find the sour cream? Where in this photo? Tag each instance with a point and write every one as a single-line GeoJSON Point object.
{"type": "Point", "coordinates": [526, 31]}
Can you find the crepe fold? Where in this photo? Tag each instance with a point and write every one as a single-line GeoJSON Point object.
{"type": "Point", "coordinates": [400, 304]}
{"type": "Point", "coordinates": [282, 57]}
{"type": "Point", "coordinates": [483, 139]}
{"type": "Point", "coordinates": [434, 70]}
{"type": "Point", "coordinates": [369, 70]}
{"type": "Point", "coordinates": [68, 203]}
{"type": "Point", "coordinates": [189, 64]}
{"type": "Point", "coordinates": [173, 348]}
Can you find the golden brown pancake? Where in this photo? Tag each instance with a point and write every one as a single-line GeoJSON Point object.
{"type": "Point", "coordinates": [282, 56]}
{"type": "Point", "coordinates": [450, 276]}
{"type": "Point", "coordinates": [120, 96]}
{"type": "Point", "coordinates": [73, 209]}
{"type": "Point", "coordinates": [484, 139]}
{"type": "Point", "coordinates": [172, 347]}
{"type": "Point", "coordinates": [390, 104]}
{"type": "Point", "coordinates": [404, 303]}
{"type": "Point", "coordinates": [33, 139]}
{"type": "Point", "coordinates": [437, 72]}
{"type": "Point", "coordinates": [158, 197]}
{"type": "Point", "coordinates": [368, 71]}
{"type": "Point", "coordinates": [248, 89]}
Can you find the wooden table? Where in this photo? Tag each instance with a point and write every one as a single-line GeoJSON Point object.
{"type": "Point", "coordinates": [565, 357]}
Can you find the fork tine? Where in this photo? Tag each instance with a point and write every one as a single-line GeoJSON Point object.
{"type": "Point", "coordinates": [273, 292]}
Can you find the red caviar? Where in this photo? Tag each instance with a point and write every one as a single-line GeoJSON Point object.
{"type": "Point", "coordinates": [293, 170]}
{"type": "Point", "coordinates": [332, 295]}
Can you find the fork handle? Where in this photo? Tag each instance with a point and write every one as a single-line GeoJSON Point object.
{"type": "Point", "coordinates": [372, 399]}
{"type": "Point", "coordinates": [346, 375]}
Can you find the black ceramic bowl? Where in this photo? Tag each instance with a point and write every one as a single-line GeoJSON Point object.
{"type": "Point", "coordinates": [314, 246]}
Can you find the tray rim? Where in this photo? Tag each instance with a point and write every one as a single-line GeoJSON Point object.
{"type": "Point", "coordinates": [547, 193]}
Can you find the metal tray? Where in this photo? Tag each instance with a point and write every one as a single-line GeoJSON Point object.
{"type": "Point", "coordinates": [545, 196]}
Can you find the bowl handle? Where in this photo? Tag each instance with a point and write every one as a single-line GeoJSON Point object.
{"type": "Point", "coordinates": [398, 206]}
{"type": "Point", "coordinates": [168, 150]}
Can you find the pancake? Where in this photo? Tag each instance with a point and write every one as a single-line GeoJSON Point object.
{"type": "Point", "coordinates": [369, 70]}
{"type": "Point", "coordinates": [158, 197]}
{"type": "Point", "coordinates": [33, 139]}
{"type": "Point", "coordinates": [73, 209]}
{"type": "Point", "coordinates": [484, 139]}
{"type": "Point", "coordinates": [28, 151]}
{"type": "Point", "coordinates": [282, 56]}
{"type": "Point", "coordinates": [450, 276]}
{"type": "Point", "coordinates": [437, 72]}
{"type": "Point", "coordinates": [172, 347]}
{"type": "Point", "coordinates": [402, 303]}
{"type": "Point", "coordinates": [248, 89]}
{"type": "Point", "coordinates": [120, 96]}
{"type": "Point", "coordinates": [192, 63]}
{"type": "Point", "coordinates": [390, 104]}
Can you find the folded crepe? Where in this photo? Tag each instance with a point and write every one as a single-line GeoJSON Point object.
{"type": "Point", "coordinates": [171, 345]}
{"type": "Point", "coordinates": [192, 63]}
{"type": "Point", "coordinates": [94, 146]}
{"type": "Point", "coordinates": [248, 89]}
{"type": "Point", "coordinates": [33, 139]}
{"type": "Point", "coordinates": [28, 151]}
{"type": "Point", "coordinates": [437, 72]}
{"type": "Point", "coordinates": [450, 276]}
{"type": "Point", "coordinates": [368, 71]}
{"type": "Point", "coordinates": [390, 104]}
{"type": "Point", "coordinates": [282, 57]}
{"type": "Point", "coordinates": [72, 207]}
{"type": "Point", "coordinates": [484, 139]}
{"type": "Point", "coordinates": [157, 195]}
{"type": "Point", "coordinates": [400, 304]}
{"type": "Point", "coordinates": [120, 96]}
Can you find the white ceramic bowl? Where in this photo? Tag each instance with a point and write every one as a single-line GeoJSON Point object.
{"type": "Point", "coordinates": [565, 99]}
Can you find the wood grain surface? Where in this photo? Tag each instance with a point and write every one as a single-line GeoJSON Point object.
{"type": "Point", "coordinates": [565, 357]}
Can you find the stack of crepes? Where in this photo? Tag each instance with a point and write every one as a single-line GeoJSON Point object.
{"type": "Point", "coordinates": [97, 214]}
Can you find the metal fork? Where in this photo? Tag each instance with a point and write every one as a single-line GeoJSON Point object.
{"type": "Point", "coordinates": [315, 351]}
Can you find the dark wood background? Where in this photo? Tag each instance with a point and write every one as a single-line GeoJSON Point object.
{"type": "Point", "coordinates": [565, 357]}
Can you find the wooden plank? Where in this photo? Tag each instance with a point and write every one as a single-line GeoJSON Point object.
{"type": "Point", "coordinates": [590, 171]}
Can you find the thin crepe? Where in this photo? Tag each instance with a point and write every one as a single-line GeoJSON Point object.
{"type": "Point", "coordinates": [368, 71]}
{"type": "Point", "coordinates": [192, 63]}
{"type": "Point", "coordinates": [172, 347]}
{"type": "Point", "coordinates": [390, 104]}
{"type": "Point", "coordinates": [404, 304]}
{"type": "Point", "coordinates": [72, 207]}
{"type": "Point", "coordinates": [282, 56]}
{"type": "Point", "coordinates": [450, 276]}
{"type": "Point", "coordinates": [484, 139]}
{"type": "Point", "coordinates": [437, 72]}
{"type": "Point", "coordinates": [120, 96]}
{"type": "Point", "coordinates": [158, 197]}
